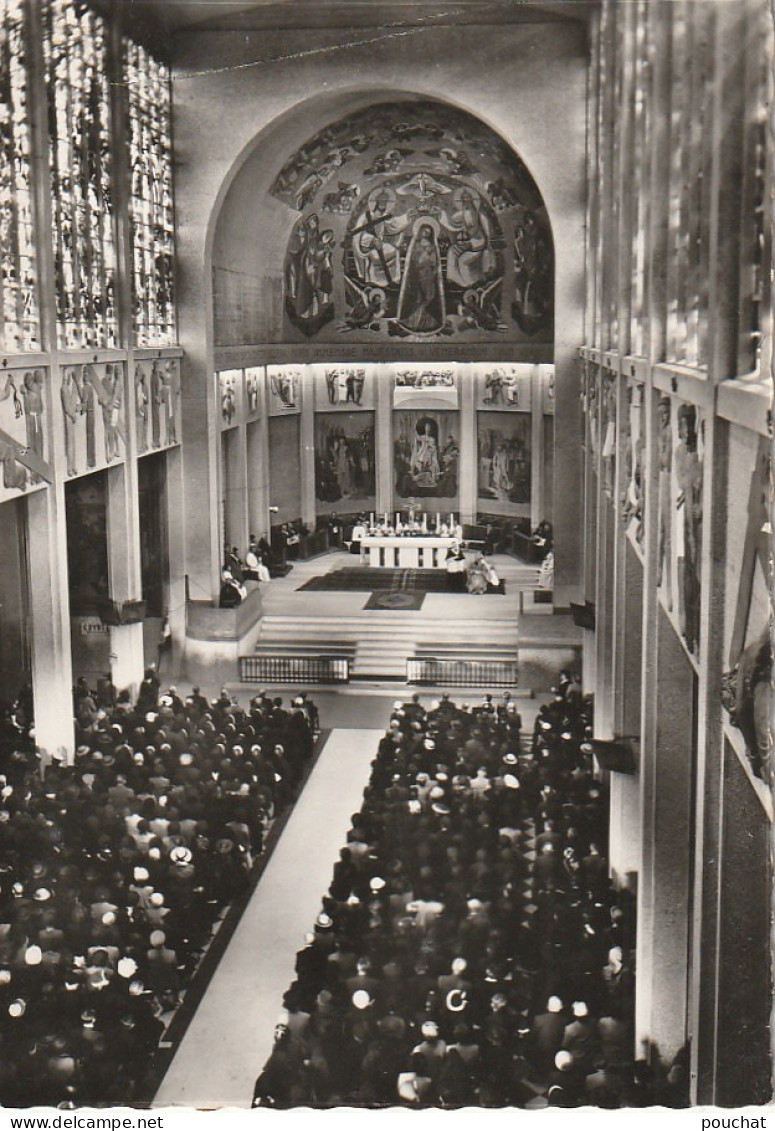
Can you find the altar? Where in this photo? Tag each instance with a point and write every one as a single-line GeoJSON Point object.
{"type": "Point", "coordinates": [395, 552]}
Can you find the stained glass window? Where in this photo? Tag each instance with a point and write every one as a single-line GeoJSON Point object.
{"type": "Point", "coordinates": [756, 250]}
{"type": "Point", "coordinates": [75, 54]}
{"type": "Point", "coordinates": [641, 180]}
{"type": "Point", "coordinates": [677, 231]}
{"type": "Point", "coordinates": [153, 309]}
{"type": "Point", "coordinates": [19, 315]}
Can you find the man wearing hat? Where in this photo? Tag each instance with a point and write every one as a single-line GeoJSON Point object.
{"type": "Point", "coordinates": [580, 1038]}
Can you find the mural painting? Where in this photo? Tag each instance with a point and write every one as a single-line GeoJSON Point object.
{"type": "Point", "coordinates": [504, 386]}
{"type": "Point", "coordinates": [343, 386]}
{"type": "Point", "coordinates": [533, 275]}
{"type": "Point", "coordinates": [157, 404]}
{"type": "Point", "coordinates": [309, 276]}
{"type": "Point", "coordinates": [425, 452]}
{"type": "Point", "coordinates": [23, 454]}
{"type": "Point", "coordinates": [344, 459]}
{"type": "Point", "coordinates": [425, 385]}
{"type": "Point", "coordinates": [284, 389]}
{"type": "Point", "coordinates": [435, 229]}
{"type": "Point", "coordinates": [424, 258]}
{"type": "Point", "coordinates": [504, 457]}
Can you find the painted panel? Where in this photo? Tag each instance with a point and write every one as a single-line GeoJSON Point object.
{"type": "Point", "coordinates": [283, 384]}
{"type": "Point", "coordinates": [504, 451]}
{"type": "Point", "coordinates": [343, 387]}
{"type": "Point", "coordinates": [503, 386]}
{"type": "Point", "coordinates": [426, 453]}
{"type": "Point", "coordinates": [425, 386]}
{"type": "Point", "coordinates": [345, 460]}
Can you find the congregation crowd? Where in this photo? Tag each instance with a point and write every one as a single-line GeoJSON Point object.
{"type": "Point", "coordinates": [471, 949]}
{"type": "Point", "coordinates": [116, 871]}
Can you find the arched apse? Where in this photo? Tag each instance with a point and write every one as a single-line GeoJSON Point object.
{"type": "Point", "coordinates": [405, 219]}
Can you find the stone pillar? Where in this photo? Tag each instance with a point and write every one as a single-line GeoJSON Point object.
{"type": "Point", "coordinates": [52, 671]}
{"type": "Point", "coordinates": [537, 488]}
{"type": "Point", "coordinates": [176, 593]}
{"type": "Point", "coordinates": [383, 426]}
{"type": "Point", "coordinates": [200, 410]}
{"type": "Point", "coordinates": [624, 843]}
{"type": "Point", "coordinates": [235, 493]}
{"type": "Point", "coordinates": [307, 447]}
{"type": "Point", "coordinates": [123, 527]}
{"type": "Point", "coordinates": [668, 830]}
{"type": "Point", "coordinates": [468, 463]}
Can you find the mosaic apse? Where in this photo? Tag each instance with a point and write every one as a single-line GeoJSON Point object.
{"type": "Point", "coordinates": [417, 222]}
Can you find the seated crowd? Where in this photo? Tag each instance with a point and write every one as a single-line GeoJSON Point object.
{"type": "Point", "coordinates": [115, 871]}
{"type": "Point", "coordinates": [471, 949]}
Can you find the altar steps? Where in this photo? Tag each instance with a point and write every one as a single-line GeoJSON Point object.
{"type": "Point", "coordinates": [381, 647]}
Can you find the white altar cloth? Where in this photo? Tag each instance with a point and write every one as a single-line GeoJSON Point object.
{"type": "Point", "coordinates": [394, 552]}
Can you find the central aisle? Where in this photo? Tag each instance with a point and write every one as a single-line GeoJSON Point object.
{"type": "Point", "coordinates": [230, 1036]}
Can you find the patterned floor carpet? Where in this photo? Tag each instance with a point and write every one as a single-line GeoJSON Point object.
{"type": "Point", "coordinates": [401, 600]}
{"type": "Point", "coordinates": [367, 580]}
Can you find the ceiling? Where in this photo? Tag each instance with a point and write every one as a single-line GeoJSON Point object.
{"type": "Point", "coordinates": [171, 18]}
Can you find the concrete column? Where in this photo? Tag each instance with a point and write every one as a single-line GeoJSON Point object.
{"type": "Point", "coordinates": [620, 613]}
{"type": "Point", "coordinates": [235, 491]}
{"type": "Point", "coordinates": [730, 979]}
{"type": "Point", "coordinates": [123, 530]}
{"type": "Point", "coordinates": [258, 466]}
{"type": "Point", "coordinates": [176, 593]}
{"type": "Point", "coordinates": [668, 829]}
{"type": "Point", "coordinates": [742, 984]}
{"type": "Point", "coordinates": [568, 475]}
{"type": "Point", "coordinates": [537, 492]}
{"type": "Point", "coordinates": [49, 606]}
{"type": "Point", "coordinates": [468, 463]}
{"type": "Point", "coordinates": [383, 427]}
{"type": "Point", "coordinates": [307, 446]}
{"type": "Point", "coordinates": [589, 541]}
{"type": "Point", "coordinates": [258, 472]}
{"type": "Point", "coordinates": [624, 840]}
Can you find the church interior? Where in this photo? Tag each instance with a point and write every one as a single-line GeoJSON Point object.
{"type": "Point", "coordinates": [385, 615]}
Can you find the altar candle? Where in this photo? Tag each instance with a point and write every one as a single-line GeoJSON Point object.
{"type": "Point", "coordinates": [371, 519]}
{"type": "Point", "coordinates": [438, 521]}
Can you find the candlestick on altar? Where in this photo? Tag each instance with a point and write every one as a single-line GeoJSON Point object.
{"type": "Point", "coordinates": [371, 519]}
{"type": "Point", "coordinates": [424, 523]}
{"type": "Point", "coordinates": [438, 521]}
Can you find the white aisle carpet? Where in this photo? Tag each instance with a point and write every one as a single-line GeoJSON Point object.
{"type": "Point", "coordinates": [230, 1036]}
